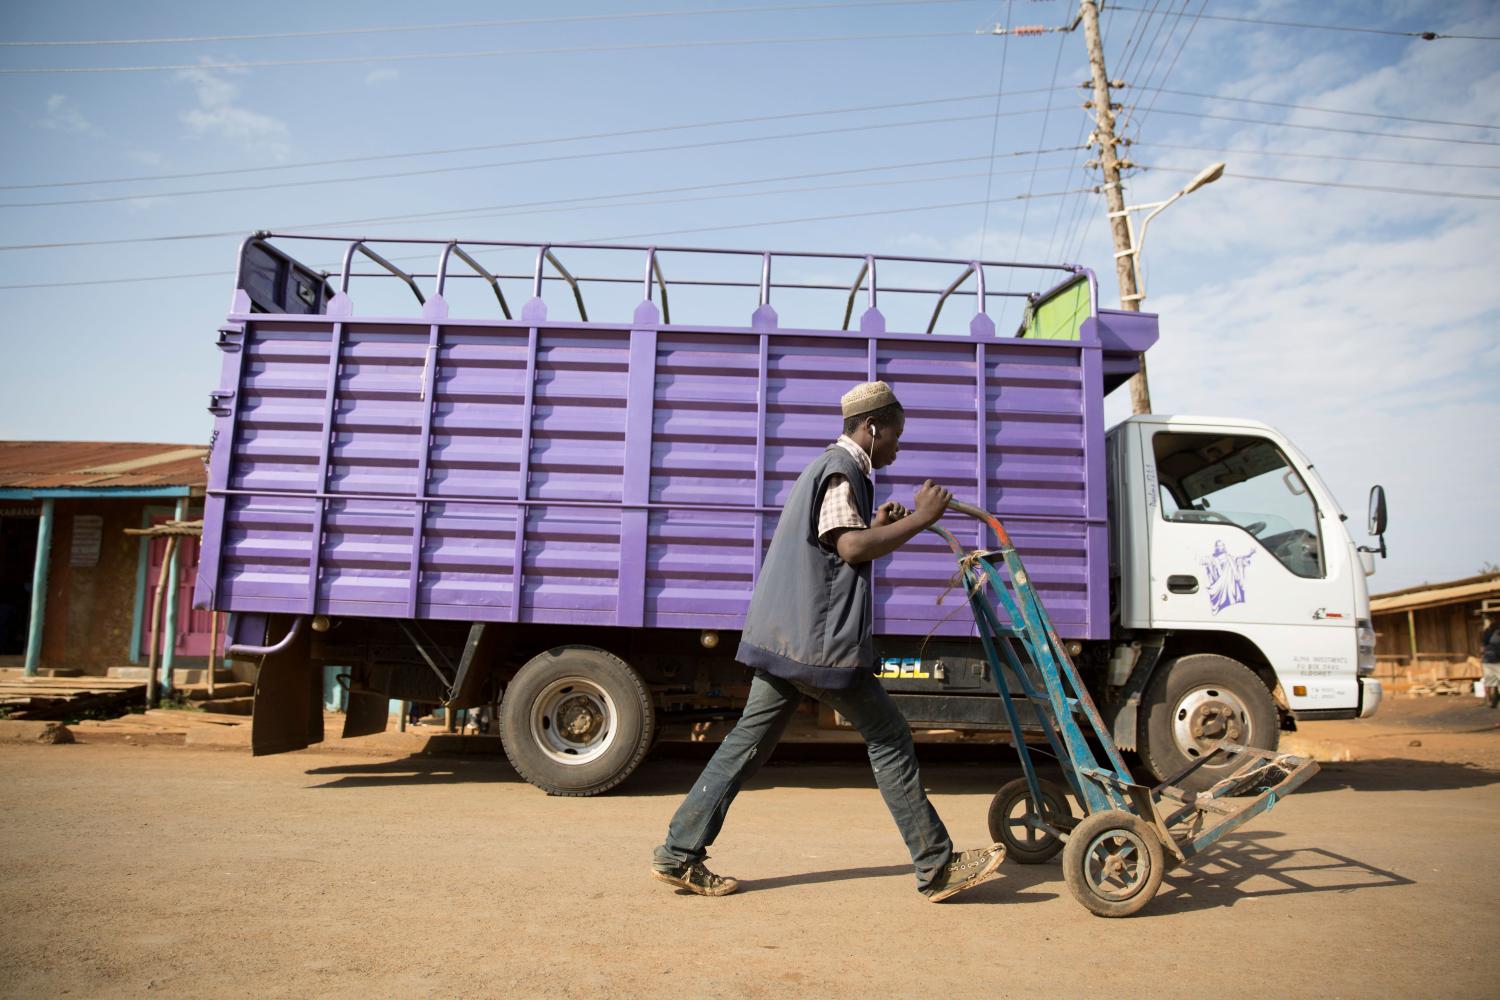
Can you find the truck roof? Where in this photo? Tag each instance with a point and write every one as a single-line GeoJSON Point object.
{"type": "Point", "coordinates": [1182, 418]}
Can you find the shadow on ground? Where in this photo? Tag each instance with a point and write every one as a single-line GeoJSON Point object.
{"type": "Point", "coordinates": [415, 770]}
{"type": "Point", "coordinates": [971, 771]}
{"type": "Point", "coordinates": [1398, 774]}
{"type": "Point", "coordinates": [1246, 865]}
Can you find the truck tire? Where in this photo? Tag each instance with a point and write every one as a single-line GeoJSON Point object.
{"type": "Point", "coordinates": [576, 720]}
{"type": "Point", "coordinates": [1195, 701]}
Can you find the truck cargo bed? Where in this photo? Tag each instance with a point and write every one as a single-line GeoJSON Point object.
{"type": "Point", "coordinates": [629, 471]}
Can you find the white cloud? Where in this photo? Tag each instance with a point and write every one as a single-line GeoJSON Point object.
{"type": "Point", "coordinates": [381, 75]}
{"type": "Point", "coordinates": [218, 115]}
{"type": "Point", "coordinates": [1357, 322]}
{"type": "Point", "coordinates": [63, 116]}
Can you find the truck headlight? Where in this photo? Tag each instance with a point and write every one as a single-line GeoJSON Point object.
{"type": "Point", "coordinates": [1366, 638]}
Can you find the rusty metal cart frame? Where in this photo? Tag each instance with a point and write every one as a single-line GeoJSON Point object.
{"type": "Point", "coordinates": [1114, 857]}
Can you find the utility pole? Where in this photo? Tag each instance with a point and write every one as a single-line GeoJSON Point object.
{"type": "Point", "coordinates": [1114, 194]}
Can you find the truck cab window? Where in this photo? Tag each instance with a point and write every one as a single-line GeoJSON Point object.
{"type": "Point", "coordinates": [1245, 481]}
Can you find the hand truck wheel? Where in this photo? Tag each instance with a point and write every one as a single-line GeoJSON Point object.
{"type": "Point", "coordinates": [1113, 863]}
{"type": "Point", "coordinates": [1012, 807]}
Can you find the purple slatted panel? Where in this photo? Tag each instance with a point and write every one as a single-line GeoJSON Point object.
{"type": "Point", "coordinates": [267, 541]}
{"type": "Point", "coordinates": [267, 552]}
{"type": "Point", "coordinates": [467, 558]}
{"type": "Point", "coordinates": [701, 563]}
{"type": "Point", "coordinates": [366, 561]}
{"type": "Point", "coordinates": [572, 565]}
{"type": "Point", "coordinates": [366, 558]}
{"type": "Point", "coordinates": [935, 381]}
{"type": "Point", "coordinates": [476, 423]}
{"type": "Point", "coordinates": [572, 554]}
{"type": "Point", "coordinates": [805, 376]}
{"type": "Point", "coordinates": [468, 551]}
{"type": "Point", "coordinates": [1036, 442]}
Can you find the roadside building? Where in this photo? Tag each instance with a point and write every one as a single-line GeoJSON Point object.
{"type": "Point", "coordinates": [75, 590]}
{"type": "Point", "coordinates": [1431, 633]}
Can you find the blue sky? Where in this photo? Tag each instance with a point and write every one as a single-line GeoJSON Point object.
{"type": "Point", "coordinates": [1360, 322]}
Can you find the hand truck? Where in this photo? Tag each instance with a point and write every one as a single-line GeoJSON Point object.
{"type": "Point", "coordinates": [1114, 856]}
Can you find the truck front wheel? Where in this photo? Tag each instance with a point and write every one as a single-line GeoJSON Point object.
{"type": "Point", "coordinates": [1196, 701]}
{"type": "Point", "coordinates": [576, 721]}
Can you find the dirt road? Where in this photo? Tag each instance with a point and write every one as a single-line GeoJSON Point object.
{"type": "Point", "coordinates": [177, 871]}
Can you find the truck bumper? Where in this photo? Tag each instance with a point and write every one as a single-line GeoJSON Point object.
{"type": "Point", "coordinates": [1370, 694]}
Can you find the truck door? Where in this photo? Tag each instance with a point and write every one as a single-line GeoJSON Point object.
{"type": "Point", "coordinates": [1240, 542]}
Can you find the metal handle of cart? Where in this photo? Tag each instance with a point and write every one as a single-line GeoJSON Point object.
{"type": "Point", "coordinates": [1114, 857]}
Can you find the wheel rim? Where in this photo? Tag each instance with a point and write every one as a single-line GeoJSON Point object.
{"type": "Point", "coordinates": [1116, 865]}
{"type": "Point", "coordinates": [573, 721]}
{"type": "Point", "coordinates": [1020, 831]}
{"type": "Point", "coordinates": [1206, 715]}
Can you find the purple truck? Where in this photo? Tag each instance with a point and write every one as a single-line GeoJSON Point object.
{"type": "Point", "coordinates": [555, 504]}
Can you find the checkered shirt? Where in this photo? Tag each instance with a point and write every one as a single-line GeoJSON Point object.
{"type": "Point", "coordinates": [839, 511]}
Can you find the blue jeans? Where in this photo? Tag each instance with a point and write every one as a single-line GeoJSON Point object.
{"type": "Point", "coordinates": [770, 706]}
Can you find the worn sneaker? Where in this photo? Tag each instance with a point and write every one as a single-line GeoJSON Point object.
{"type": "Point", "coordinates": [965, 871]}
{"type": "Point", "coordinates": [698, 879]}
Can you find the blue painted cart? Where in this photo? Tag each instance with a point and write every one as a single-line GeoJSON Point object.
{"type": "Point", "coordinates": [1115, 855]}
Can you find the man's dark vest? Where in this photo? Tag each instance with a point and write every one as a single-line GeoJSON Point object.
{"type": "Point", "coordinates": [810, 617]}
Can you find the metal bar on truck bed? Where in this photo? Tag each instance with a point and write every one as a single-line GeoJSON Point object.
{"type": "Point", "coordinates": [545, 255]}
{"type": "Point", "coordinates": [359, 245]}
{"type": "Point", "coordinates": [706, 283]}
{"type": "Point", "coordinates": [853, 291]}
{"type": "Point", "coordinates": [529, 502]}
{"type": "Point", "coordinates": [442, 274]}
{"type": "Point", "coordinates": [943, 298]}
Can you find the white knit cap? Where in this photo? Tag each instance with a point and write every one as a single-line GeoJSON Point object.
{"type": "Point", "coordinates": [865, 397]}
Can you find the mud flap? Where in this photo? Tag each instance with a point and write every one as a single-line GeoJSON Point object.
{"type": "Point", "coordinates": [288, 701]}
{"type": "Point", "coordinates": [367, 714]}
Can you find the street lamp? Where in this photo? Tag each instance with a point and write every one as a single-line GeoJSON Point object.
{"type": "Point", "coordinates": [1133, 300]}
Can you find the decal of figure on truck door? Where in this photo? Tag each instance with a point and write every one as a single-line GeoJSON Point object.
{"type": "Point", "coordinates": [1226, 577]}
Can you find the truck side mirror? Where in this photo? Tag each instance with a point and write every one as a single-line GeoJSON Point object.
{"type": "Point", "coordinates": [1377, 518]}
{"type": "Point", "coordinates": [1377, 510]}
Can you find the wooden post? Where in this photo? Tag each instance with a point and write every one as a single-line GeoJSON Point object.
{"type": "Point", "coordinates": [156, 603]}
{"type": "Point", "coordinates": [213, 649]}
{"type": "Point", "coordinates": [1411, 628]}
{"type": "Point", "coordinates": [1114, 191]}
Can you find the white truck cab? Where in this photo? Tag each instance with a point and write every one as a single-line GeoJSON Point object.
{"type": "Point", "coordinates": [1232, 566]}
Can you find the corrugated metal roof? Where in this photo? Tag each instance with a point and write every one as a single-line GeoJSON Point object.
{"type": "Point", "coordinates": [99, 465]}
{"type": "Point", "coordinates": [1453, 592]}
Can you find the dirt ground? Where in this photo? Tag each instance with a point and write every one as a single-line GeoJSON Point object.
{"type": "Point", "coordinates": [194, 872]}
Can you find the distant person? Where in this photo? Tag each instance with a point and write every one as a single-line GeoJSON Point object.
{"type": "Point", "coordinates": [809, 632]}
{"type": "Point", "coordinates": [1490, 658]}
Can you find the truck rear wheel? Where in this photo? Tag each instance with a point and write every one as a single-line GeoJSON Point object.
{"type": "Point", "coordinates": [1195, 701]}
{"type": "Point", "coordinates": [576, 721]}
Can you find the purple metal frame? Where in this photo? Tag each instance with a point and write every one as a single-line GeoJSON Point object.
{"type": "Point", "coordinates": [630, 472]}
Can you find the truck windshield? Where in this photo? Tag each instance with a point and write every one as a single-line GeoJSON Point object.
{"type": "Point", "coordinates": [1242, 480]}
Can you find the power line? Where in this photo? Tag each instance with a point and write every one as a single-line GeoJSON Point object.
{"type": "Point", "coordinates": [1424, 35]}
{"type": "Point", "coordinates": [593, 154]}
{"type": "Point", "coordinates": [339, 161]}
{"type": "Point", "coordinates": [1142, 24]}
{"type": "Point", "coordinates": [486, 53]}
{"type": "Point", "coordinates": [1315, 156]}
{"type": "Point", "coordinates": [1062, 40]}
{"type": "Point", "coordinates": [570, 204]}
{"type": "Point", "coordinates": [1384, 189]}
{"type": "Point", "coordinates": [984, 226]}
{"type": "Point", "coordinates": [1173, 64]}
{"type": "Point", "coordinates": [465, 25]}
{"type": "Point", "coordinates": [1327, 111]}
{"type": "Point", "coordinates": [1327, 128]}
{"type": "Point", "coordinates": [600, 239]}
